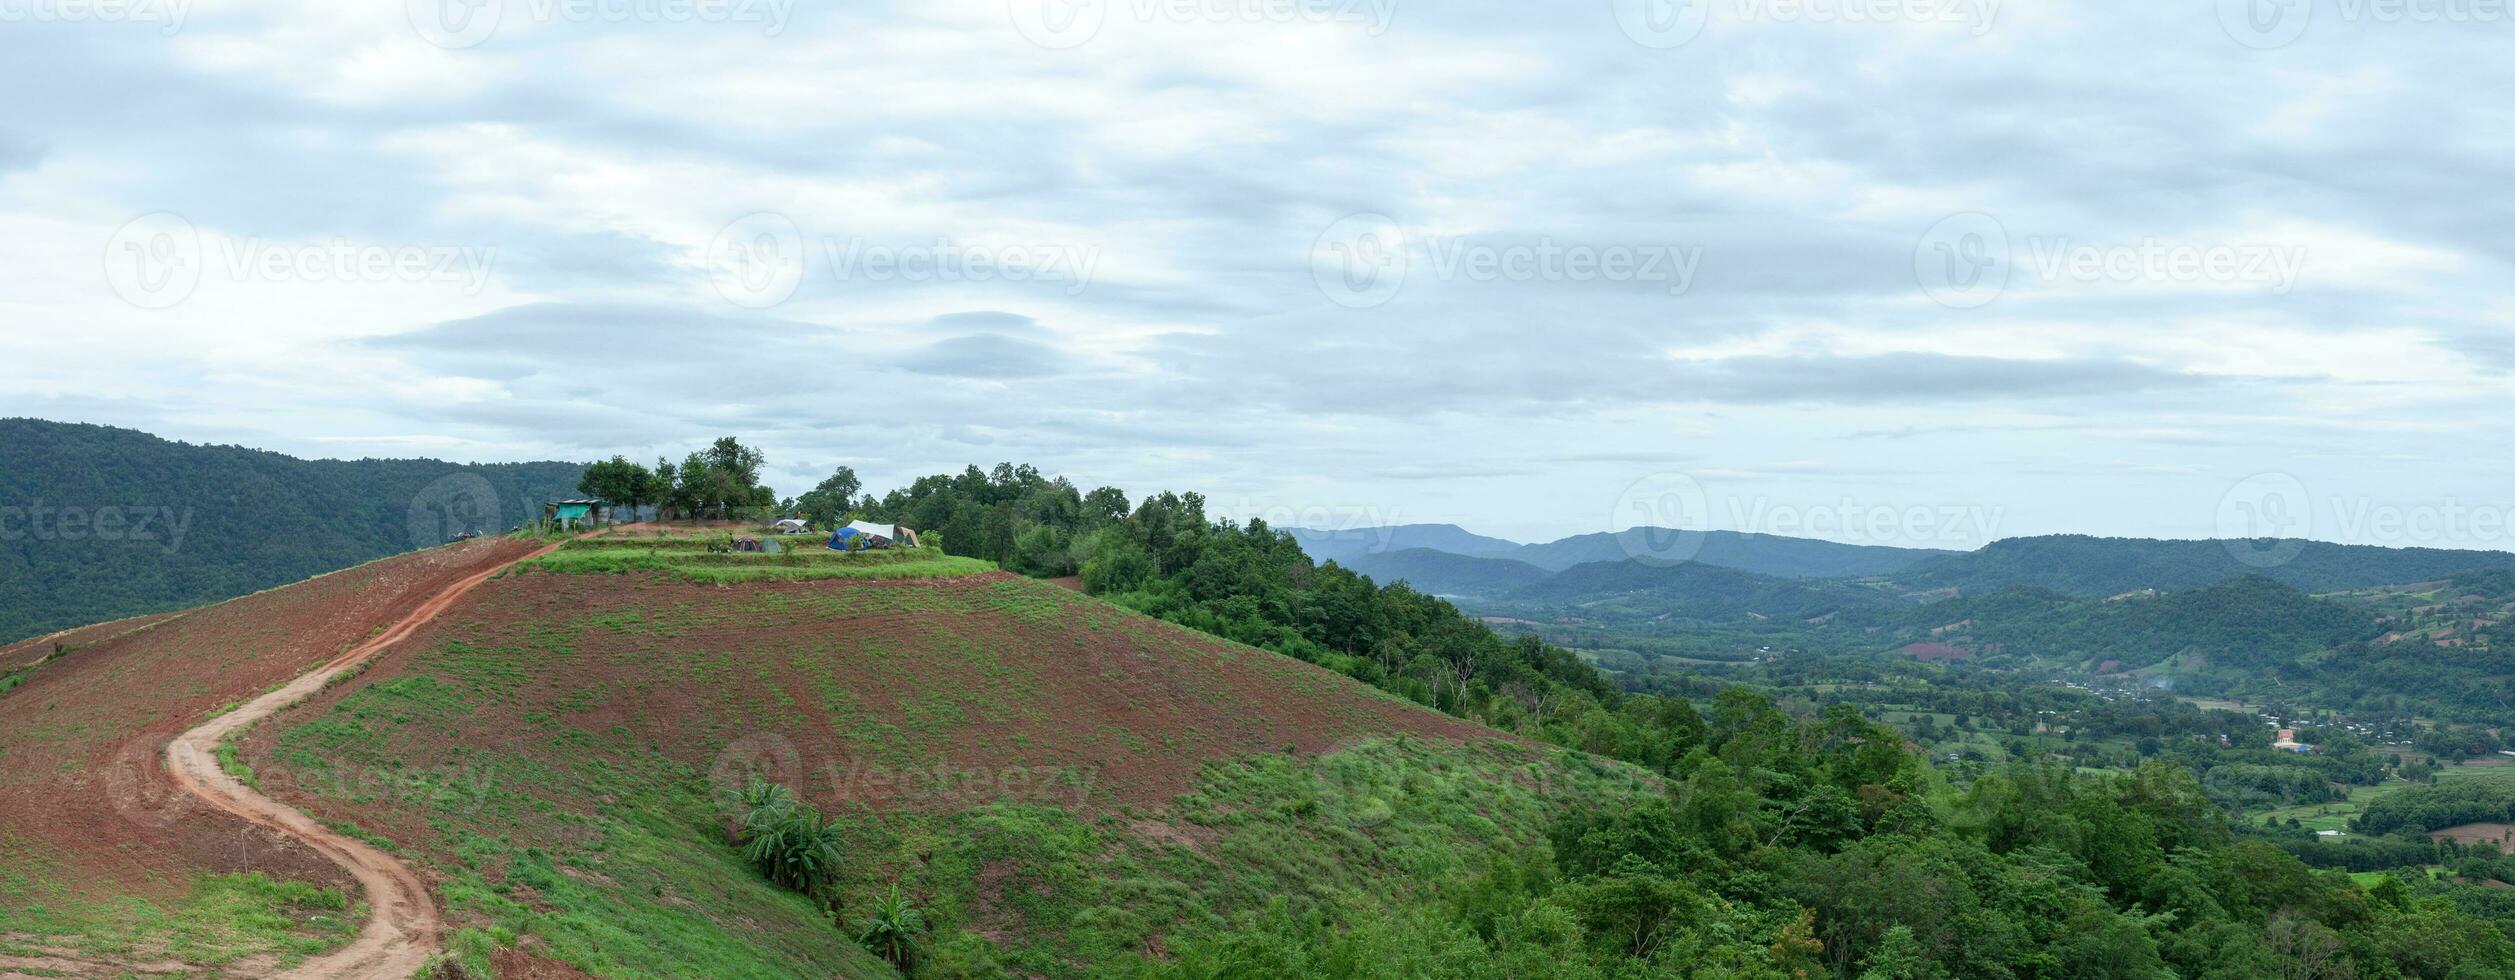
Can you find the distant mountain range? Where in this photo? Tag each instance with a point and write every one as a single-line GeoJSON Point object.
{"type": "Point", "coordinates": [2079, 565]}
{"type": "Point", "coordinates": [1444, 559]}
{"type": "Point", "coordinates": [1763, 554]}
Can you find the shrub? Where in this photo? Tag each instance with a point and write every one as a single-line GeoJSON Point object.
{"type": "Point", "coordinates": [894, 929]}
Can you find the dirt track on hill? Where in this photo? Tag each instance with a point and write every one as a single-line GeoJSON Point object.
{"type": "Point", "coordinates": [401, 930]}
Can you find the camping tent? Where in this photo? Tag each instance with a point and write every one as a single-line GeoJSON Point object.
{"type": "Point", "coordinates": [874, 535]}
{"type": "Point", "coordinates": [791, 526]}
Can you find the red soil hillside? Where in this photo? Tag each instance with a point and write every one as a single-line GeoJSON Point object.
{"type": "Point", "coordinates": [86, 815]}
{"type": "Point", "coordinates": [553, 750]}
{"type": "Point", "coordinates": [963, 674]}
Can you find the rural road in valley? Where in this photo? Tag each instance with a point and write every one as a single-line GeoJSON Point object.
{"type": "Point", "coordinates": [401, 932]}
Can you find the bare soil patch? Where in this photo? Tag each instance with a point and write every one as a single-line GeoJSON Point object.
{"type": "Point", "coordinates": [2498, 835]}
{"type": "Point", "coordinates": [82, 784]}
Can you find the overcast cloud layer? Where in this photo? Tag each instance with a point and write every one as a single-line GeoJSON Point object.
{"type": "Point", "coordinates": [1910, 273]}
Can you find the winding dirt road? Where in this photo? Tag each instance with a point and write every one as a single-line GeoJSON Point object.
{"type": "Point", "coordinates": [401, 932]}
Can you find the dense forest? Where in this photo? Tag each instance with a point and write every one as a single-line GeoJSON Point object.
{"type": "Point", "coordinates": [1793, 839]}
{"type": "Point", "coordinates": [2084, 566]}
{"type": "Point", "coordinates": [98, 523]}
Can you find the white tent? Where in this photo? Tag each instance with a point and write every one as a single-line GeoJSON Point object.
{"type": "Point", "coordinates": [870, 529]}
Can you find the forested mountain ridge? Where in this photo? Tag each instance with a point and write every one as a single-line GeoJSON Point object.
{"type": "Point", "coordinates": [98, 523]}
{"type": "Point", "coordinates": [1348, 544]}
{"type": "Point", "coordinates": [2088, 566]}
{"type": "Point", "coordinates": [1765, 554]}
{"type": "Point", "coordinates": [2250, 623]}
{"type": "Point", "coordinates": [1445, 573]}
{"type": "Point", "coordinates": [1693, 590]}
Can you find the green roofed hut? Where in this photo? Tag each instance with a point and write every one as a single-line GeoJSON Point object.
{"type": "Point", "coordinates": [576, 513]}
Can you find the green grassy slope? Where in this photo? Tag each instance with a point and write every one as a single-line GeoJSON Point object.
{"type": "Point", "coordinates": [1064, 785]}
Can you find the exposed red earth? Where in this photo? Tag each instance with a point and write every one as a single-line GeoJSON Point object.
{"type": "Point", "coordinates": [402, 925]}
{"type": "Point", "coordinates": [83, 785]}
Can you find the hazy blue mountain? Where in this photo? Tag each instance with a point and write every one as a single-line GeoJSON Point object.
{"type": "Point", "coordinates": [98, 523]}
{"type": "Point", "coordinates": [1343, 546]}
{"type": "Point", "coordinates": [2080, 565]}
{"type": "Point", "coordinates": [1443, 573]}
{"type": "Point", "coordinates": [1764, 554]}
{"type": "Point", "coordinates": [1692, 590]}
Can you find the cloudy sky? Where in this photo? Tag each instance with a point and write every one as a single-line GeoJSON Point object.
{"type": "Point", "coordinates": [1913, 273]}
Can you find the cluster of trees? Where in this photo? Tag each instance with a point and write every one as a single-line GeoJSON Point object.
{"type": "Point", "coordinates": [721, 481]}
{"type": "Point", "coordinates": [1801, 846]}
{"type": "Point", "coordinates": [2420, 809]}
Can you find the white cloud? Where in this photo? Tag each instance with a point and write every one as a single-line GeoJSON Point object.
{"type": "Point", "coordinates": [1197, 160]}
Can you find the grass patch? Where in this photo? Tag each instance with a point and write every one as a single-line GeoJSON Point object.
{"type": "Point", "coordinates": [689, 559]}
{"type": "Point", "coordinates": [225, 918]}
